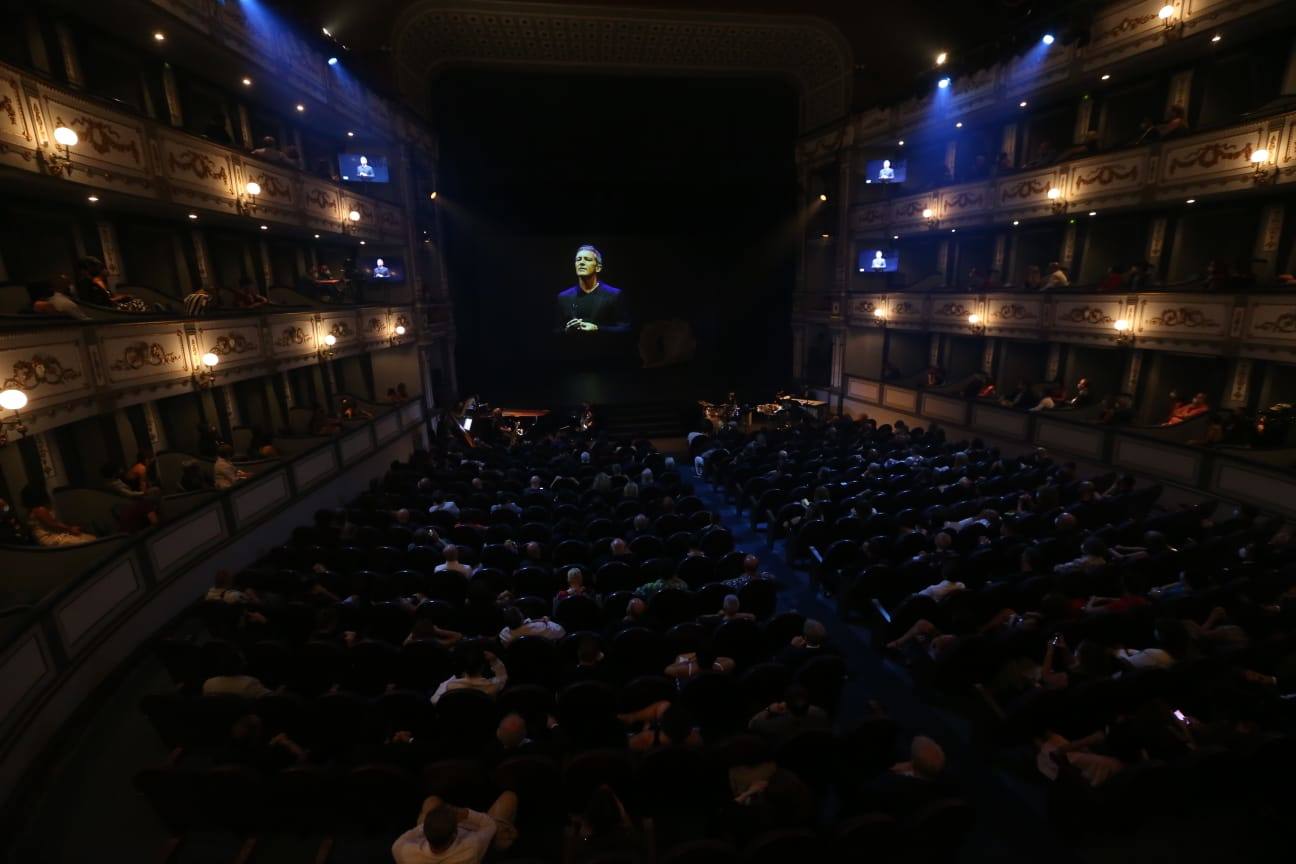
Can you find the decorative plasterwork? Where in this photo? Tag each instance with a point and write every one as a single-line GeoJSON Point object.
{"type": "Point", "coordinates": [433, 34]}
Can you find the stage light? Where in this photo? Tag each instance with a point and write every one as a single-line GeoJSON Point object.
{"type": "Point", "coordinates": [1191, 201]}
{"type": "Point", "coordinates": [823, 197]}
{"type": "Point", "coordinates": [362, 242]}
{"type": "Point", "coordinates": [332, 61]}
{"type": "Point", "coordinates": [941, 58]}
{"type": "Point", "coordinates": [943, 83]}
{"type": "Point", "coordinates": [825, 236]}
{"type": "Point", "coordinates": [92, 198]}
{"type": "Point", "coordinates": [13, 400]}
{"type": "Point", "coordinates": [1104, 77]}
{"type": "Point", "coordinates": [1048, 39]}
{"type": "Point", "coordinates": [354, 215]}
{"type": "Point", "coordinates": [958, 125]}
{"type": "Point", "coordinates": [895, 236]}
{"type": "Point", "coordinates": [66, 137]}
{"type": "Point", "coordinates": [1217, 37]}
{"type": "Point", "coordinates": [953, 230]}
{"type": "Point", "coordinates": [193, 215]}
{"type": "Point", "coordinates": [159, 36]}
{"type": "Point", "coordinates": [253, 187]}
{"type": "Point", "coordinates": [247, 82]}
{"type": "Point", "coordinates": [1166, 12]}
{"type": "Point", "coordinates": [1021, 104]}
{"type": "Point", "coordinates": [301, 107]}
{"type": "Point", "coordinates": [1258, 156]}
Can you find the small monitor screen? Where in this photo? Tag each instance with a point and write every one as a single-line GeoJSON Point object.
{"type": "Point", "coordinates": [885, 171]}
{"type": "Point", "coordinates": [362, 168]}
{"type": "Point", "coordinates": [878, 260]}
{"type": "Point", "coordinates": [381, 269]}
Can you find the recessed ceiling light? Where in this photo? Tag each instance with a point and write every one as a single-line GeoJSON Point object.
{"type": "Point", "coordinates": [1093, 212]}
{"type": "Point", "coordinates": [92, 198]}
{"type": "Point", "coordinates": [316, 236]}
{"type": "Point", "coordinates": [265, 227]}
{"type": "Point", "coordinates": [953, 230]}
{"type": "Point", "coordinates": [1016, 221]}
{"type": "Point", "coordinates": [362, 242]}
{"type": "Point", "coordinates": [159, 36]}
{"type": "Point", "coordinates": [1217, 37]}
{"type": "Point", "coordinates": [193, 215]}
{"type": "Point", "coordinates": [1021, 104]}
{"type": "Point", "coordinates": [326, 32]}
{"type": "Point", "coordinates": [247, 82]}
{"type": "Point", "coordinates": [895, 236]}
{"type": "Point", "coordinates": [1106, 76]}
{"type": "Point", "coordinates": [301, 107]}
{"type": "Point", "coordinates": [958, 125]}
{"type": "Point", "coordinates": [350, 134]}
{"type": "Point", "coordinates": [1191, 201]}
{"type": "Point", "coordinates": [900, 143]}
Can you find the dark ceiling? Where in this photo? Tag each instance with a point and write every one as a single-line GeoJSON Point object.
{"type": "Point", "coordinates": [894, 43]}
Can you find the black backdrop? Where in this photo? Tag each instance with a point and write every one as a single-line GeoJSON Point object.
{"type": "Point", "coordinates": [686, 186]}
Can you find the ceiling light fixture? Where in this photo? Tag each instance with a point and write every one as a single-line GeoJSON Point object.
{"type": "Point", "coordinates": [159, 36]}
{"type": "Point", "coordinates": [941, 58]}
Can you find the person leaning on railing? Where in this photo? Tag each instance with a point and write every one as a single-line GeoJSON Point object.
{"type": "Point", "coordinates": [46, 528]}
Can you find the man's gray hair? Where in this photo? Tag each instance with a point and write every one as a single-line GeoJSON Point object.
{"type": "Point", "coordinates": [598, 256]}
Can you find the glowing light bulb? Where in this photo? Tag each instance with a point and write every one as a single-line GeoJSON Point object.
{"type": "Point", "coordinates": [941, 58]}
{"type": "Point", "coordinates": [1166, 12]}
{"type": "Point", "coordinates": [943, 83]}
{"type": "Point", "coordinates": [159, 36]}
{"type": "Point", "coordinates": [66, 137]}
{"type": "Point", "coordinates": [253, 187]}
{"type": "Point", "coordinates": [330, 340]}
{"type": "Point", "coordinates": [1261, 155]}
{"type": "Point", "coordinates": [210, 359]}
{"type": "Point", "coordinates": [823, 197]}
{"type": "Point", "coordinates": [354, 215]}
{"type": "Point", "coordinates": [193, 215]}
{"type": "Point", "coordinates": [301, 107]}
{"type": "Point", "coordinates": [247, 82]}
{"type": "Point", "coordinates": [400, 329]}
{"type": "Point", "coordinates": [13, 400]}
{"type": "Point", "coordinates": [1048, 39]}
{"type": "Point", "coordinates": [332, 61]}
{"type": "Point", "coordinates": [1054, 193]}
{"type": "Point", "coordinates": [974, 319]}
{"type": "Point", "coordinates": [927, 213]}
{"type": "Point", "coordinates": [1121, 325]}
{"type": "Point", "coordinates": [879, 312]}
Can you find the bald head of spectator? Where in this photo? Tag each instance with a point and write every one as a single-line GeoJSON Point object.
{"type": "Point", "coordinates": [402, 516]}
{"type": "Point", "coordinates": [533, 551]}
{"type": "Point", "coordinates": [927, 758]}
{"type": "Point", "coordinates": [642, 523]}
{"type": "Point", "coordinates": [1066, 522]}
{"type": "Point", "coordinates": [512, 731]}
{"type": "Point", "coordinates": [750, 565]}
{"type": "Point", "coordinates": [536, 482]}
{"type": "Point", "coordinates": [730, 606]}
{"type": "Point", "coordinates": [620, 547]}
{"type": "Point", "coordinates": [814, 633]}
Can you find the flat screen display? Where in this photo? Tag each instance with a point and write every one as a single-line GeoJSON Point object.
{"type": "Point", "coordinates": [878, 260]}
{"type": "Point", "coordinates": [885, 171]}
{"type": "Point", "coordinates": [381, 269]}
{"type": "Point", "coordinates": [362, 168]}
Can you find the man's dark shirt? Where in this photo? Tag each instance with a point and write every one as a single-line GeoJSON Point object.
{"type": "Point", "coordinates": [604, 306]}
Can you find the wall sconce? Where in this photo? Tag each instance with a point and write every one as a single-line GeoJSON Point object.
{"type": "Point", "coordinates": [930, 215]}
{"type": "Point", "coordinates": [15, 401]}
{"type": "Point", "coordinates": [1169, 17]}
{"type": "Point", "coordinates": [54, 161]}
{"type": "Point", "coordinates": [205, 375]}
{"type": "Point", "coordinates": [1263, 173]}
{"type": "Point", "coordinates": [1055, 199]}
{"type": "Point", "coordinates": [879, 315]}
{"type": "Point", "coordinates": [327, 351]}
{"type": "Point", "coordinates": [351, 222]}
{"type": "Point", "coordinates": [1124, 334]}
{"type": "Point", "coordinates": [397, 332]}
{"type": "Point", "coordinates": [246, 202]}
{"type": "Point", "coordinates": [976, 323]}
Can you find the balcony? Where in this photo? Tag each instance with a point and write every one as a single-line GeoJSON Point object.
{"type": "Point", "coordinates": [68, 371]}
{"type": "Point", "coordinates": [125, 154]}
{"type": "Point", "coordinates": [1261, 326]}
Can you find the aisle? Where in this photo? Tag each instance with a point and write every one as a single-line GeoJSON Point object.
{"type": "Point", "coordinates": [1010, 813]}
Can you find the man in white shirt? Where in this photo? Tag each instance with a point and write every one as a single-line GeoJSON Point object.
{"type": "Point", "coordinates": [452, 562]}
{"type": "Point", "coordinates": [457, 835]}
{"type": "Point", "coordinates": [1057, 278]}
{"type": "Point", "coordinates": [516, 626]}
{"type": "Point", "coordinates": [224, 471]}
{"type": "Point", "coordinates": [474, 675]}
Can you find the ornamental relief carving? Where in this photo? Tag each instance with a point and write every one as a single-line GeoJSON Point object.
{"type": "Point", "coordinates": [1016, 312]}
{"type": "Point", "coordinates": [1091, 315]}
{"type": "Point", "coordinates": [1126, 25]}
{"type": "Point", "coordinates": [101, 136]}
{"type": "Point", "coordinates": [341, 330]}
{"type": "Point", "coordinates": [374, 325]}
{"type": "Point", "coordinates": [951, 310]}
{"type": "Point", "coordinates": [964, 200]}
{"type": "Point", "coordinates": [138, 355]}
{"type": "Point", "coordinates": [197, 164]}
{"type": "Point", "coordinates": [1025, 189]}
{"type": "Point", "coordinates": [321, 199]}
{"type": "Point", "coordinates": [274, 186]}
{"type": "Point", "coordinates": [1210, 155]}
{"type": "Point", "coordinates": [40, 370]}
{"type": "Point", "coordinates": [1105, 175]}
{"type": "Point", "coordinates": [1182, 316]}
{"type": "Point", "coordinates": [292, 336]}
{"type": "Point", "coordinates": [904, 307]}
{"type": "Point", "coordinates": [233, 344]}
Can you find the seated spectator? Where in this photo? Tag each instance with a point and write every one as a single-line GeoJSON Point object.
{"type": "Point", "coordinates": [813, 642]}
{"type": "Point", "coordinates": [511, 739]}
{"type": "Point", "coordinates": [1117, 410]}
{"type": "Point", "coordinates": [270, 152]}
{"type": "Point", "coordinates": [1175, 123]}
{"type": "Point", "coordinates": [1181, 411]}
{"type": "Point", "coordinates": [1032, 281]}
{"type": "Point", "coordinates": [693, 663]}
{"type": "Point", "coordinates": [664, 724]}
{"type": "Point", "coordinates": [591, 664]}
{"type": "Point", "coordinates": [231, 681]}
{"type": "Point", "coordinates": [1093, 556]}
{"type": "Point", "coordinates": [1173, 644]}
{"type": "Point", "coordinates": [516, 625]}
{"type": "Point", "coordinates": [1022, 396]}
{"type": "Point", "coordinates": [92, 287]}
{"type": "Point", "coordinates": [575, 585]}
{"type": "Point", "coordinates": [605, 831]}
{"type": "Point", "coordinates": [1094, 768]}
{"type": "Point", "coordinates": [474, 665]}
{"type": "Point", "coordinates": [730, 610]}
{"type": "Point", "coordinates": [1113, 281]}
{"type": "Point", "coordinates": [246, 295]}
{"type": "Point", "coordinates": [452, 562]}
{"type": "Point", "coordinates": [457, 835]}
{"type": "Point", "coordinates": [138, 514]}
{"type": "Point", "coordinates": [262, 445]}
{"type": "Point", "coordinates": [426, 630]}
{"type": "Point", "coordinates": [911, 784]}
{"type": "Point", "coordinates": [1088, 146]}
{"type": "Point", "coordinates": [348, 410]}
{"type": "Point", "coordinates": [198, 302]}
{"type": "Point", "coordinates": [46, 528]}
{"type": "Point", "coordinates": [12, 530]}
{"type": "Point", "coordinates": [636, 616]}
{"type": "Point", "coordinates": [224, 471]}
{"type": "Point", "coordinates": [1045, 154]}
{"type": "Point", "coordinates": [247, 745]}
{"type": "Point", "coordinates": [794, 714]}
{"type": "Point", "coordinates": [192, 478]}
{"type": "Point", "coordinates": [55, 298]}
{"type": "Point", "coordinates": [1004, 164]}
{"type": "Point", "coordinates": [114, 477]}
{"type": "Point", "coordinates": [1057, 278]}
{"type": "Point", "coordinates": [1138, 277]}
{"type": "Point", "coordinates": [648, 589]}
{"type": "Point", "coordinates": [142, 475]}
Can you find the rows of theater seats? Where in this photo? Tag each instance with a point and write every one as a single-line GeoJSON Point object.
{"type": "Point", "coordinates": [1153, 610]}
{"type": "Point", "coordinates": [360, 704]}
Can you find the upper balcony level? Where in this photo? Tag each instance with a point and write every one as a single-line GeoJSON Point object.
{"type": "Point", "coordinates": [124, 154]}
{"type": "Point", "coordinates": [1258, 155]}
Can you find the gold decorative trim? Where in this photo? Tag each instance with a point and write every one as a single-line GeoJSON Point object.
{"type": "Point", "coordinates": [40, 369]}
{"type": "Point", "coordinates": [137, 355]}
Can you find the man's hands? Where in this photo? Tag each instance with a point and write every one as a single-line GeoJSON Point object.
{"type": "Point", "coordinates": [580, 324]}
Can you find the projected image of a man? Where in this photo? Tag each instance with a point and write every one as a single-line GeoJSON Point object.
{"type": "Point", "coordinates": [590, 305]}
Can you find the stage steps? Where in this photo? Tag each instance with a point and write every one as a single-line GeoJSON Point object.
{"type": "Point", "coordinates": [644, 419]}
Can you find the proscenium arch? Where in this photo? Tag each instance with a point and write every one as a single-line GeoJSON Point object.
{"type": "Point", "coordinates": [430, 35]}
